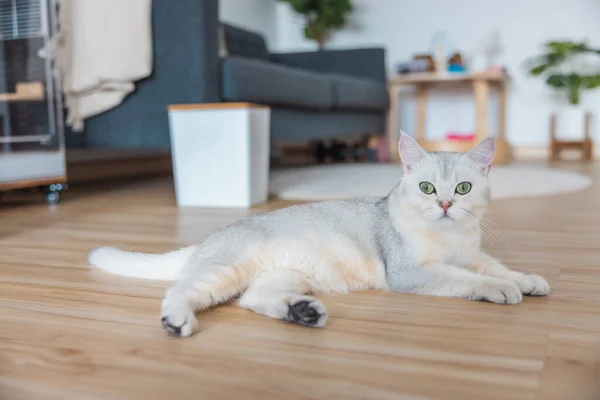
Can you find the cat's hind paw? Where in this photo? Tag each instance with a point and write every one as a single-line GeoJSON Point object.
{"type": "Point", "coordinates": [179, 322]}
{"type": "Point", "coordinates": [306, 311]}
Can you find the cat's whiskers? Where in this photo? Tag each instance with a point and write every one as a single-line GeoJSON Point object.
{"type": "Point", "coordinates": [492, 230]}
{"type": "Point", "coordinates": [476, 228]}
{"type": "Point", "coordinates": [489, 232]}
{"type": "Point", "coordinates": [489, 239]}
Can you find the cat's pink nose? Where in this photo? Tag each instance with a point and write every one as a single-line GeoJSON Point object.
{"type": "Point", "coordinates": [445, 206]}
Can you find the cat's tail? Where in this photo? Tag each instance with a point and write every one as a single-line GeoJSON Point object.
{"type": "Point", "coordinates": [140, 265]}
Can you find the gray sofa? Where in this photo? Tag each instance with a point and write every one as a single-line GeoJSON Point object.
{"type": "Point", "coordinates": [312, 95]}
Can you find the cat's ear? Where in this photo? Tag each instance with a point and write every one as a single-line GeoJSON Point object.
{"type": "Point", "coordinates": [410, 151]}
{"type": "Point", "coordinates": [483, 154]}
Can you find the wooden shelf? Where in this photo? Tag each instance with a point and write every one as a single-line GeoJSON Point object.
{"type": "Point", "coordinates": [30, 183]}
{"type": "Point", "coordinates": [213, 106]}
{"type": "Point", "coordinates": [86, 165]}
{"type": "Point", "coordinates": [91, 165]}
{"type": "Point", "coordinates": [447, 145]}
{"type": "Point", "coordinates": [449, 78]}
{"type": "Point", "coordinates": [585, 145]}
{"type": "Point", "coordinates": [480, 84]}
{"type": "Point", "coordinates": [503, 150]}
{"type": "Point", "coordinates": [25, 91]}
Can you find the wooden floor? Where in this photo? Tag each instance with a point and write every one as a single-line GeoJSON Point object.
{"type": "Point", "coordinates": [69, 332]}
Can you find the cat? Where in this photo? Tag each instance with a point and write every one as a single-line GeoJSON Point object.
{"type": "Point", "coordinates": [423, 238]}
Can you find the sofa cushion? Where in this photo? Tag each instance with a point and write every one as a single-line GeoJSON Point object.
{"type": "Point", "coordinates": [358, 93]}
{"type": "Point", "coordinates": [240, 42]}
{"type": "Point", "coordinates": [263, 82]}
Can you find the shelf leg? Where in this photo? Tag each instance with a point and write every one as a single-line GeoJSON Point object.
{"type": "Point", "coordinates": [421, 113]}
{"type": "Point", "coordinates": [503, 149]}
{"type": "Point", "coordinates": [392, 125]}
{"type": "Point", "coordinates": [482, 99]}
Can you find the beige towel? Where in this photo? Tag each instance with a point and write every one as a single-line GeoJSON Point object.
{"type": "Point", "coordinates": [104, 46]}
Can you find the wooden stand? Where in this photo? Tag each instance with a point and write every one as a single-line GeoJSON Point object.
{"type": "Point", "coordinates": [92, 165]}
{"type": "Point", "coordinates": [25, 91]}
{"type": "Point", "coordinates": [51, 186]}
{"type": "Point", "coordinates": [585, 146]}
{"type": "Point", "coordinates": [481, 84]}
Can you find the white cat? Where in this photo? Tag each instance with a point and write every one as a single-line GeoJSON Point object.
{"type": "Point", "coordinates": [424, 238]}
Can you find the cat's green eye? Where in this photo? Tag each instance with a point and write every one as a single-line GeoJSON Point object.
{"type": "Point", "coordinates": [426, 187]}
{"type": "Point", "coordinates": [463, 188]}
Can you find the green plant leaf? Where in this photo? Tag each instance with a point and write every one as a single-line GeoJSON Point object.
{"type": "Point", "coordinates": [539, 69]}
{"type": "Point", "coordinates": [574, 82]}
{"type": "Point", "coordinates": [554, 59]}
{"type": "Point", "coordinates": [591, 81]}
{"type": "Point", "coordinates": [574, 94]}
{"type": "Point", "coordinates": [321, 16]}
{"type": "Point", "coordinates": [563, 47]}
{"type": "Point", "coordinates": [554, 62]}
{"type": "Point", "coordinates": [299, 6]}
{"type": "Point", "coordinates": [557, 81]}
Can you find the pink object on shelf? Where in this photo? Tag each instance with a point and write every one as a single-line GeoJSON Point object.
{"type": "Point", "coordinates": [380, 146]}
{"type": "Point", "coordinates": [460, 136]}
{"type": "Point", "coordinates": [383, 153]}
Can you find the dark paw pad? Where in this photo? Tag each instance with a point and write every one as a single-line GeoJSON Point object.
{"type": "Point", "coordinates": [303, 313]}
{"type": "Point", "coordinates": [172, 329]}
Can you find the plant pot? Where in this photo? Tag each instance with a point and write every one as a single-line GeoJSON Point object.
{"type": "Point", "coordinates": [570, 123]}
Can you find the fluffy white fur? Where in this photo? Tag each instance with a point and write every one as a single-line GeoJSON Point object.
{"type": "Point", "coordinates": [139, 265]}
{"type": "Point", "coordinates": [409, 241]}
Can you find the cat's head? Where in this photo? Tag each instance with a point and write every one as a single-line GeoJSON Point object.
{"type": "Point", "coordinates": [445, 188]}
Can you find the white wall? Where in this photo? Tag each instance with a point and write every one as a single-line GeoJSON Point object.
{"type": "Point", "coordinates": [255, 15]}
{"type": "Point", "coordinates": [406, 27]}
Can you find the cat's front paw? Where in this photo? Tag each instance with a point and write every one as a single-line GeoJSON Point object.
{"type": "Point", "coordinates": [532, 285]}
{"type": "Point", "coordinates": [500, 292]}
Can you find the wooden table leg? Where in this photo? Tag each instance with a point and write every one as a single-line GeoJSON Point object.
{"type": "Point", "coordinates": [482, 99]}
{"type": "Point", "coordinates": [503, 150]}
{"type": "Point", "coordinates": [421, 113]}
{"type": "Point", "coordinates": [392, 125]}
{"type": "Point", "coordinates": [588, 147]}
{"type": "Point", "coordinates": [502, 112]}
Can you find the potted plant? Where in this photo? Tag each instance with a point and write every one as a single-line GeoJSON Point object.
{"type": "Point", "coordinates": [564, 64]}
{"type": "Point", "coordinates": [321, 17]}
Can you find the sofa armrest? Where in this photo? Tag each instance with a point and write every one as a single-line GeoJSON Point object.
{"type": "Point", "coordinates": [364, 63]}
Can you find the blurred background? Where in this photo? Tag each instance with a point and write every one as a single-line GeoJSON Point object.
{"type": "Point", "coordinates": [149, 124]}
{"type": "Point", "coordinates": [338, 80]}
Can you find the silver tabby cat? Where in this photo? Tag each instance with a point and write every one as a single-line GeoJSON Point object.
{"type": "Point", "coordinates": [423, 238]}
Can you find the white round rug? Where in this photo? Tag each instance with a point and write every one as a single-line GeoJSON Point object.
{"type": "Point", "coordinates": [339, 181]}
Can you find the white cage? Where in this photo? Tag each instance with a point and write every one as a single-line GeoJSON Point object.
{"type": "Point", "coordinates": [31, 118]}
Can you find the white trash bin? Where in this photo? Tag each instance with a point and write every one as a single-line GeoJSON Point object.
{"type": "Point", "coordinates": [220, 154]}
